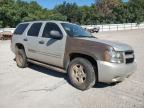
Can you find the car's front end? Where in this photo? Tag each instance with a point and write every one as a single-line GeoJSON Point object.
{"type": "Point", "coordinates": [117, 66]}
{"type": "Point", "coordinates": [115, 61]}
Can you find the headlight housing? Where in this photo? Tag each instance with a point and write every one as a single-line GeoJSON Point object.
{"type": "Point", "coordinates": [114, 56]}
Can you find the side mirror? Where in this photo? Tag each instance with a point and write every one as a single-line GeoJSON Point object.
{"type": "Point", "coordinates": [55, 34]}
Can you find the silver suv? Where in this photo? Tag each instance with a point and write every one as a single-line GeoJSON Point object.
{"type": "Point", "coordinates": [66, 47]}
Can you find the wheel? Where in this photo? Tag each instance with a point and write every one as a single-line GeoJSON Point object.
{"type": "Point", "coordinates": [81, 74]}
{"type": "Point", "coordinates": [21, 58]}
{"type": "Point", "coordinates": [92, 31]}
{"type": "Point", "coordinates": [97, 31]}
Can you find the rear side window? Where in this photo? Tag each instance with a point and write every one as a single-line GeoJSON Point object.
{"type": "Point", "coordinates": [48, 28]}
{"type": "Point", "coordinates": [34, 29]}
{"type": "Point", "coordinates": [21, 28]}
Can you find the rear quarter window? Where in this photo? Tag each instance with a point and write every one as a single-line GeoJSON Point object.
{"type": "Point", "coordinates": [21, 28]}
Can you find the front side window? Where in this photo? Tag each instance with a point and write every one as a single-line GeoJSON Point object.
{"type": "Point", "coordinates": [50, 27]}
{"type": "Point", "coordinates": [34, 29]}
{"type": "Point", "coordinates": [21, 28]}
{"type": "Point", "coordinates": [75, 30]}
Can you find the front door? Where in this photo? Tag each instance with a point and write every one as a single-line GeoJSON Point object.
{"type": "Point", "coordinates": [52, 50]}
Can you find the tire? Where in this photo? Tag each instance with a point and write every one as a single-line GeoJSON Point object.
{"type": "Point", "coordinates": [21, 58]}
{"type": "Point", "coordinates": [81, 74]}
{"type": "Point", "coordinates": [97, 31]}
{"type": "Point", "coordinates": [92, 31]}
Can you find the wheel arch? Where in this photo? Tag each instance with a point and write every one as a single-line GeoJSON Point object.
{"type": "Point", "coordinates": [19, 46]}
{"type": "Point", "coordinates": [88, 57]}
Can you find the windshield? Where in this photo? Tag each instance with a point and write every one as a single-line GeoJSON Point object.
{"type": "Point", "coordinates": [75, 30]}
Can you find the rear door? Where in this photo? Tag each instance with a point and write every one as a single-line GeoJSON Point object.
{"type": "Point", "coordinates": [32, 40]}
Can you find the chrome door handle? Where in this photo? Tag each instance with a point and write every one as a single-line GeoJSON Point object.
{"type": "Point", "coordinates": [25, 39]}
{"type": "Point", "coordinates": [41, 42]}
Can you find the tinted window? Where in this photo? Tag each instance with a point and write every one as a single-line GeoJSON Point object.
{"type": "Point", "coordinates": [21, 28]}
{"type": "Point", "coordinates": [48, 28]}
{"type": "Point", "coordinates": [34, 29]}
{"type": "Point", "coordinates": [75, 30]}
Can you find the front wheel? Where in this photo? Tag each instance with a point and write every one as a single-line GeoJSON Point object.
{"type": "Point", "coordinates": [81, 73]}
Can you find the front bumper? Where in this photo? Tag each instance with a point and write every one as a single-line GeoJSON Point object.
{"type": "Point", "coordinates": [111, 72]}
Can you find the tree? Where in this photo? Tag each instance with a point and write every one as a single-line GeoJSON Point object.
{"type": "Point", "coordinates": [70, 10]}
{"type": "Point", "coordinates": [105, 9]}
{"type": "Point", "coordinates": [6, 11]}
{"type": "Point", "coordinates": [136, 10]}
{"type": "Point", "coordinates": [13, 12]}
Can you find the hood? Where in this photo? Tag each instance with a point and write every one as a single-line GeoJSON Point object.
{"type": "Point", "coordinates": [116, 45]}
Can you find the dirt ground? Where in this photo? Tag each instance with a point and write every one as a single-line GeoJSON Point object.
{"type": "Point", "coordinates": [38, 87]}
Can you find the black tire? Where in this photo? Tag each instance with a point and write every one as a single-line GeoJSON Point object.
{"type": "Point", "coordinates": [92, 31]}
{"type": "Point", "coordinates": [89, 78]}
{"type": "Point", "coordinates": [97, 31]}
{"type": "Point", "coordinates": [21, 58]}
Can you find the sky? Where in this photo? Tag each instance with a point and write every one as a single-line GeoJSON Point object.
{"type": "Point", "coordinates": [52, 3]}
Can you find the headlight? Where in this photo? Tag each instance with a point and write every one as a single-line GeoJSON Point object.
{"type": "Point", "coordinates": [114, 56]}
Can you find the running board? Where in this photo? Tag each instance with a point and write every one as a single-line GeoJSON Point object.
{"type": "Point", "coordinates": [47, 66]}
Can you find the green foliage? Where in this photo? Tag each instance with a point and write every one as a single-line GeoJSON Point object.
{"type": "Point", "coordinates": [102, 11]}
{"type": "Point", "coordinates": [70, 10]}
{"type": "Point", "coordinates": [136, 10]}
{"type": "Point", "coordinates": [13, 12]}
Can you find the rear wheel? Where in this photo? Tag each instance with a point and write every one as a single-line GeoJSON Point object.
{"type": "Point", "coordinates": [21, 58]}
{"type": "Point", "coordinates": [81, 74]}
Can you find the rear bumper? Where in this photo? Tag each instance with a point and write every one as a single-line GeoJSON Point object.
{"type": "Point", "coordinates": [111, 72]}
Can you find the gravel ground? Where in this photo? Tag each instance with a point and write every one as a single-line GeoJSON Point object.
{"type": "Point", "coordinates": [38, 87]}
